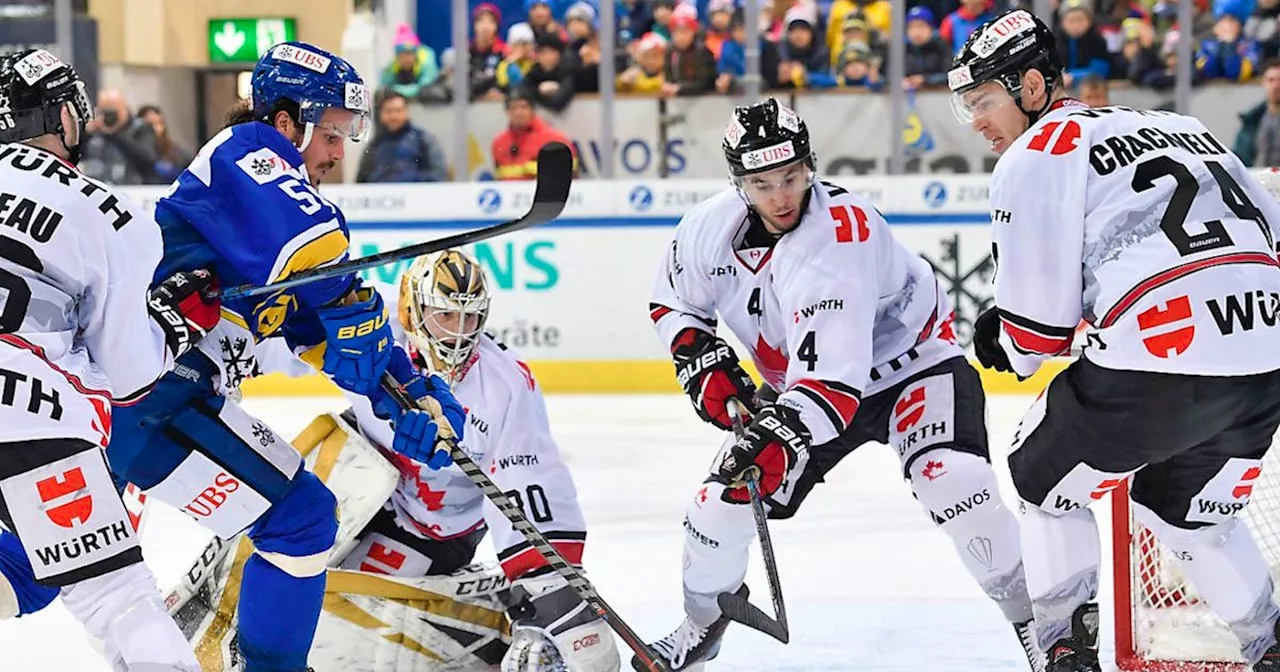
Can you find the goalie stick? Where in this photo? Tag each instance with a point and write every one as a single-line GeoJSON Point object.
{"type": "Point", "coordinates": [736, 607]}
{"type": "Point", "coordinates": [513, 513]}
{"type": "Point", "coordinates": [555, 176]}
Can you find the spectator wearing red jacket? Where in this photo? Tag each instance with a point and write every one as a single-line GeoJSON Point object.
{"type": "Point", "coordinates": [515, 149]}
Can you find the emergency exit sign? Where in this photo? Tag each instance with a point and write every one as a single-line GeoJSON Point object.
{"type": "Point", "coordinates": [246, 40]}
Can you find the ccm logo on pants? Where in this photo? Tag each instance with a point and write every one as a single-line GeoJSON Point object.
{"type": "Point", "coordinates": [67, 514]}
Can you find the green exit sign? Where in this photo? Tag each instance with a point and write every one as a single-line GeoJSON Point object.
{"type": "Point", "coordinates": [246, 40]}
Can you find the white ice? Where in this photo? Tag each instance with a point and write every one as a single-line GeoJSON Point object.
{"type": "Point", "coordinates": [870, 584]}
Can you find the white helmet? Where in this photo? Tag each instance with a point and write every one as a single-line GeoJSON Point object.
{"type": "Point", "coordinates": [444, 302]}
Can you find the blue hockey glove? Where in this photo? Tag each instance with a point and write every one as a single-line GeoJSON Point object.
{"type": "Point", "coordinates": [358, 342]}
{"type": "Point", "coordinates": [417, 438]}
{"type": "Point", "coordinates": [417, 431]}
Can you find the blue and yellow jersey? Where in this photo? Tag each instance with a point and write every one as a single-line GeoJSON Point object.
{"type": "Point", "coordinates": [245, 208]}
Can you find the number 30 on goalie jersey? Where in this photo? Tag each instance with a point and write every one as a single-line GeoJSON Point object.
{"type": "Point", "coordinates": [1146, 227]}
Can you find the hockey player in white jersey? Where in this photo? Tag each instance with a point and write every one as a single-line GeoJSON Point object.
{"type": "Point", "coordinates": [854, 334]}
{"type": "Point", "coordinates": [435, 519]}
{"type": "Point", "coordinates": [1146, 227]}
{"type": "Point", "coordinates": [79, 332]}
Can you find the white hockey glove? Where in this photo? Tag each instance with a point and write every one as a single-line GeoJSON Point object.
{"type": "Point", "coordinates": [553, 630]}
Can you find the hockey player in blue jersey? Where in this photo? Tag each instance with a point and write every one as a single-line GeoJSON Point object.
{"type": "Point", "coordinates": [247, 208]}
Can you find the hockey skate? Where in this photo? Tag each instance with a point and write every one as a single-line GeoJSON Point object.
{"type": "Point", "coordinates": [1271, 659]}
{"type": "Point", "coordinates": [1079, 652]}
{"type": "Point", "coordinates": [1026, 632]}
{"type": "Point", "coordinates": [691, 645]}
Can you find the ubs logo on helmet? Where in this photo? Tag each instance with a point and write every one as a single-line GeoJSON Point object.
{"type": "Point", "coordinates": [769, 156]}
{"type": "Point", "coordinates": [1002, 31]}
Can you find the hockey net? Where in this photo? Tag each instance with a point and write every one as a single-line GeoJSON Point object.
{"type": "Point", "coordinates": [1161, 624]}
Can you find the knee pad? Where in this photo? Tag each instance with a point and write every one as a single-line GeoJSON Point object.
{"type": "Point", "coordinates": [19, 592]}
{"type": "Point", "coordinates": [297, 532]}
{"type": "Point", "coordinates": [954, 486]}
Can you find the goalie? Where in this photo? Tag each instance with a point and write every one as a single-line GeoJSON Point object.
{"type": "Point", "coordinates": [413, 530]}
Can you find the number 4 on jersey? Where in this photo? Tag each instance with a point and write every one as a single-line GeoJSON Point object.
{"type": "Point", "coordinates": [845, 223]}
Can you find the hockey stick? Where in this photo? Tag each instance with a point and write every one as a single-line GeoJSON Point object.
{"type": "Point", "coordinates": [734, 606]}
{"type": "Point", "coordinates": [576, 580]}
{"type": "Point", "coordinates": [555, 176]}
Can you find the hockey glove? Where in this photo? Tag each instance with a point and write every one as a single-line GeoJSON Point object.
{"type": "Point", "coordinates": [186, 307]}
{"type": "Point", "coordinates": [769, 447]}
{"type": "Point", "coordinates": [710, 374]}
{"type": "Point", "coordinates": [358, 342]}
{"type": "Point", "coordinates": [986, 341]}
{"type": "Point", "coordinates": [551, 629]}
{"type": "Point", "coordinates": [418, 433]}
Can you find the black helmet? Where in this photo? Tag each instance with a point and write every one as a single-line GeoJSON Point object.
{"type": "Point", "coordinates": [1002, 50]}
{"type": "Point", "coordinates": [764, 136]}
{"type": "Point", "coordinates": [34, 86]}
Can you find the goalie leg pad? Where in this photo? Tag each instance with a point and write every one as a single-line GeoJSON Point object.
{"type": "Point", "coordinates": [387, 548]}
{"type": "Point", "coordinates": [960, 491]}
{"type": "Point", "coordinates": [19, 592]}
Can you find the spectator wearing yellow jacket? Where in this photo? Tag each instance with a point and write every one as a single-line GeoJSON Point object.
{"type": "Point", "coordinates": [877, 14]}
{"type": "Point", "coordinates": [512, 69]}
{"type": "Point", "coordinates": [646, 75]}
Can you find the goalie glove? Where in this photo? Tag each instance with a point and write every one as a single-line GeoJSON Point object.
{"type": "Point", "coordinates": [769, 447]}
{"type": "Point", "coordinates": [186, 307]}
{"type": "Point", "coordinates": [552, 629]}
{"type": "Point", "coordinates": [710, 374]}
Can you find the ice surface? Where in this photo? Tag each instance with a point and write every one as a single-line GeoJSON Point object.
{"type": "Point", "coordinates": [870, 584]}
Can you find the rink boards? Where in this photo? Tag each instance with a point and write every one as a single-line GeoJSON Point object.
{"type": "Point", "coordinates": [572, 296]}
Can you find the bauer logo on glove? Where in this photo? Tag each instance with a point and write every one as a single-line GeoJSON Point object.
{"type": "Point", "coordinates": [767, 448]}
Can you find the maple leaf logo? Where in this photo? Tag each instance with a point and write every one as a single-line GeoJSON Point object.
{"type": "Point", "coordinates": [933, 470]}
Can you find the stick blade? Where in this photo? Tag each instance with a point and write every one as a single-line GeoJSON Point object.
{"type": "Point", "coordinates": [736, 608]}
{"type": "Point", "coordinates": [555, 177]}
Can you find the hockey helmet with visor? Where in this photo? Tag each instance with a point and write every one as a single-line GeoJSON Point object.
{"type": "Point", "coordinates": [444, 304]}
{"type": "Point", "coordinates": [768, 151]}
{"type": "Point", "coordinates": [316, 81]}
{"type": "Point", "coordinates": [1001, 51]}
{"type": "Point", "coordinates": [35, 88]}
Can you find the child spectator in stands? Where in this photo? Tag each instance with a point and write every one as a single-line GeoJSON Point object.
{"type": "Point", "coordinates": [732, 64]}
{"type": "Point", "coordinates": [1110, 25]}
{"type": "Point", "coordinates": [927, 58]}
{"type": "Point", "coordinates": [719, 25]}
{"type": "Point", "coordinates": [876, 14]}
{"type": "Point", "coordinates": [647, 74]}
{"type": "Point", "coordinates": [512, 69]}
{"type": "Point", "coordinates": [487, 52]}
{"type": "Point", "coordinates": [662, 11]}
{"type": "Point", "coordinates": [414, 66]}
{"type": "Point", "coordinates": [1166, 76]}
{"type": "Point", "coordinates": [1138, 55]}
{"type": "Point", "coordinates": [1082, 49]}
{"type": "Point", "coordinates": [582, 57]}
{"type": "Point", "coordinates": [804, 59]}
{"type": "Point", "coordinates": [957, 25]}
{"type": "Point", "coordinates": [855, 30]}
{"type": "Point", "coordinates": [549, 81]}
{"type": "Point", "coordinates": [1228, 54]}
{"type": "Point", "coordinates": [1262, 28]}
{"type": "Point", "coordinates": [538, 15]}
{"type": "Point", "coordinates": [690, 67]}
{"type": "Point", "coordinates": [857, 68]}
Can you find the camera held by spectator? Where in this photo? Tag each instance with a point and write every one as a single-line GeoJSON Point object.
{"type": "Point", "coordinates": [119, 148]}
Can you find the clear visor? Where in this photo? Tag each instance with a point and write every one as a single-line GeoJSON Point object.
{"type": "Point", "coordinates": [351, 124]}
{"type": "Point", "coordinates": [451, 327]}
{"type": "Point", "coordinates": [980, 102]}
{"type": "Point", "coordinates": [785, 182]}
{"type": "Point", "coordinates": [81, 111]}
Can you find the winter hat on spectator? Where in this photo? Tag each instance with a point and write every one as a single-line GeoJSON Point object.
{"type": "Point", "coordinates": [406, 39]}
{"type": "Point", "coordinates": [856, 52]}
{"type": "Point", "coordinates": [487, 8]}
{"type": "Point", "coordinates": [921, 13]}
{"type": "Point", "coordinates": [549, 40]}
{"type": "Point", "coordinates": [801, 11]}
{"type": "Point", "coordinates": [854, 21]}
{"type": "Point", "coordinates": [1236, 8]}
{"type": "Point", "coordinates": [1073, 5]}
{"type": "Point", "coordinates": [530, 4]}
{"type": "Point", "coordinates": [684, 16]}
{"type": "Point", "coordinates": [650, 41]}
{"type": "Point", "coordinates": [720, 6]}
{"type": "Point", "coordinates": [520, 33]}
{"type": "Point", "coordinates": [582, 11]}
{"type": "Point", "coordinates": [1131, 28]}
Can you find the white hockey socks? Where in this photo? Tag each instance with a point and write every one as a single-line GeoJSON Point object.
{"type": "Point", "coordinates": [1062, 555]}
{"type": "Point", "coordinates": [1227, 569]}
{"type": "Point", "coordinates": [717, 541]}
{"type": "Point", "coordinates": [123, 609]}
{"type": "Point", "coordinates": [961, 493]}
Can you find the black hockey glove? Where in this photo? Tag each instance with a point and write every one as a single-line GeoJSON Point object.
{"type": "Point", "coordinates": [769, 447]}
{"type": "Point", "coordinates": [986, 341]}
{"type": "Point", "coordinates": [186, 307]}
{"type": "Point", "coordinates": [710, 374]}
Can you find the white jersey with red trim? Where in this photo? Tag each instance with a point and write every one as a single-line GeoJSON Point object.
{"type": "Point", "coordinates": [834, 310]}
{"type": "Point", "coordinates": [1146, 227]}
{"type": "Point", "coordinates": [509, 436]}
{"type": "Point", "coordinates": [76, 264]}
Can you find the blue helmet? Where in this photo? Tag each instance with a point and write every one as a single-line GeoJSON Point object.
{"type": "Point", "coordinates": [314, 79]}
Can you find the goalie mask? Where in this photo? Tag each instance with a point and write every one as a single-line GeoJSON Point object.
{"type": "Point", "coordinates": [444, 302]}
